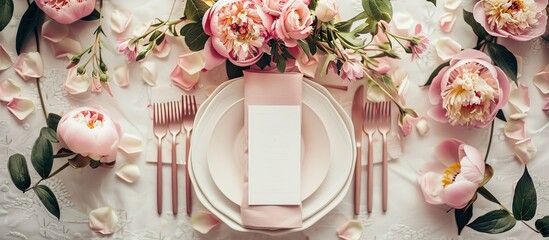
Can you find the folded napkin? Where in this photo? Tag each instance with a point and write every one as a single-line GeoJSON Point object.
{"type": "Point", "coordinates": [262, 88]}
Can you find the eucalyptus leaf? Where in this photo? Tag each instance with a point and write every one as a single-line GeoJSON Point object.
{"type": "Point", "coordinates": [504, 59]}
{"type": "Point", "coordinates": [6, 12]}
{"type": "Point", "coordinates": [31, 19]}
{"type": "Point", "coordinates": [19, 172]}
{"type": "Point", "coordinates": [525, 198]}
{"type": "Point", "coordinates": [542, 225]}
{"type": "Point", "coordinates": [497, 221]}
{"type": "Point", "coordinates": [435, 73]}
{"type": "Point", "coordinates": [94, 15]}
{"type": "Point", "coordinates": [79, 161]}
{"type": "Point", "coordinates": [42, 156]}
{"type": "Point", "coordinates": [47, 198]}
{"type": "Point", "coordinates": [53, 120]}
{"type": "Point", "coordinates": [195, 10]}
{"type": "Point", "coordinates": [49, 134]}
{"type": "Point", "coordinates": [477, 28]}
{"type": "Point", "coordinates": [378, 9]}
{"type": "Point", "coordinates": [463, 216]}
{"type": "Point", "coordinates": [196, 37]}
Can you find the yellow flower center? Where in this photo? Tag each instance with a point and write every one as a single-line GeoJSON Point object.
{"type": "Point", "coordinates": [450, 174]}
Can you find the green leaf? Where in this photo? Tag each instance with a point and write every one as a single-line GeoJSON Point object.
{"type": "Point", "coordinates": [281, 64]}
{"type": "Point", "coordinates": [378, 9]}
{"type": "Point", "coordinates": [185, 29]}
{"type": "Point", "coordinates": [477, 28]}
{"type": "Point", "coordinates": [79, 161]}
{"type": "Point", "coordinates": [264, 61]}
{"type": "Point", "coordinates": [488, 173]}
{"type": "Point", "coordinates": [94, 15]}
{"type": "Point", "coordinates": [497, 221]}
{"type": "Point", "coordinates": [504, 59]}
{"type": "Point", "coordinates": [311, 44]}
{"type": "Point", "coordinates": [42, 156]}
{"type": "Point", "coordinates": [435, 73]}
{"type": "Point", "coordinates": [305, 48]}
{"type": "Point", "coordinates": [313, 4]}
{"type": "Point", "coordinates": [53, 121]}
{"type": "Point", "coordinates": [542, 225]}
{"type": "Point", "coordinates": [371, 28]}
{"type": "Point", "coordinates": [19, 173]}
{"type": "Point", "coordinates": [155, 35]}
{"type": "Point", "coordinates": [350, 41]}
{"type": "Point", "coordinates": [329, 58]}
{"type": "Point", "coordinates": [49, 134]}
{"type": "Point", "coordinates": [486, 194]}
{"type": "Point", "coordinates": [47, 198]}
{"type": "Point", "coordinates": [434, 2]}
{"type": "Point", "coordinates": [501, 115]}
{"type": "Point", "coordinates": [195, 10]}
{"type": "Point", "coordinates": [29, 21]}
{"type": "Point", "coordinates": [234, 71]}
{"type": "Point", "coordinates": [160, 39]}
{"type": "Point", "coordinates": [525, 199]}
{"type": "Point", "coordinates": [95, 164]}
{"type": "Point", "coordinates": [196, 37]}
{"type": "Point", "coordinates": [463, 216]}
{"type": "Point", "coordinates": [6, 12]}
{"type": "Point", "coordinates": [63, 152]}
{"type": "Point", "coordinates": [345, 26]}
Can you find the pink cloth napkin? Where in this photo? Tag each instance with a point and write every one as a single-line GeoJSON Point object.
{"type": "Point", "coordinates": [261, 88]}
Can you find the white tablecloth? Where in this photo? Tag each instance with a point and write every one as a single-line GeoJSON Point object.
{"type": "Point", "coordinates": [22, 216]}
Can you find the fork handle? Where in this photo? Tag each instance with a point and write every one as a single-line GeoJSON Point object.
{"type": "Point", "coordinates": [370, 170]}
{"type": "Point", "coordinates": [358, 178]}
{"type": "Point", "coordinates": [188, 190]}
{"type": "Point", "coordinates": [174, 175]}
{"type": "Point", "coordinates": [159, 177]}
{"type": "Point", "coordinates": [384, 176]}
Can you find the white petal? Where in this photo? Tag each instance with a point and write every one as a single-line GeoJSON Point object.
{"type": "Point", "coordinates": [452, 4]}
{"type": "Point", "coordinates": [8, 90]}
{"type": "Point", "coordinates": [21, 107]}
{"type": "Point", "coordinates": [54, 31]}
{"type": "Point", "coordinates": [514, 129]}
{"type": "Point", "coordinates": [129, 172]}
{"type": "Point", "coordinates": [394, 146]}
{"type": "Point", "coordinates": [351, 230]}
{"type": "Point", "coordinates": [447, 21]}
{"type": "Point", "coordinates": [121, 75]}
{"type": "Point", "coordinates": [76, 84]}
{"type": "Point", "coordinates": [148, 72]}
{"type": "Point", "coordinates": [519, 101]}
{"type": "Point", "coordinates": [130, 144]}
{"type": "Point", "coordinates": [541, 80]}
{"type": "Point", "coordinates": [162, 50]}
{"type": "Point", "coordinates": [5, 59]}
{"type": "Point", "coordinates": [120, 21]}
{"type": "Point", "coordinates": [525, 150]}
{"type": "Point", "coordinates": [374, 94]}
{"type": "Point", "coordinates": [29, 65]}
{"type": "Point", "coordinates": [203, 222]}
{"type": "Point", "coordinates": [66, 47]}
{"type": "Point", "coordinates": [103, 220]}
{"type": "Point", "coordinates": [422, 126]}
{"type": "Point", "coordinates": [403, 21]}
{"type": "Point", "coordinates": [447, 48]}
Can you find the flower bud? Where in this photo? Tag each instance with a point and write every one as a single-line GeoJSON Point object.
{"type": "Point", "coordinates": [74, 61]}
{"type": "Point", "coordinates": [103, 77]}
{"type": "Point", "coordinates": [141, 56]}
{"type": "Point", "coordinates": [326, 10]}
{"type": "Point", "coordinates": [81, 70]}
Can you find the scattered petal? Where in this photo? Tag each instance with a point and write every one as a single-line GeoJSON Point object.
{"type": "Point", "coordinates": [121, 75]}
{"type": "Point", "coordinates": [525, 150]}
{"type": "Point", "coordinates": [8, 90]}
{"type": "Point", "coordinates": [107, 88]}
{"type": "Point", "coordinates": [400, 79]}
{"type": "Point", "coordinates": [29, 65]}
{"type": "Point", "coordinates": [21, 107]}
{"type": "Point", "coordinates": [162, 50]}
{"type": "Point", "coordinates": [375, 94]}
{"type": "Point", "coordinates": [519, 101]}
{"type": "Point", "coordinates": [203, 221]}
{"type": "Point", "coordinates": [403, 21]}
{"type": "Point", "coordinates": [129, 172]}
{"type": "Point", "coordinates": [541, 80]}
{"type": "Point", "coordinates": [76, 84]}
{"type": "Point", "coordinates": [120, 20]}
{"type": "Point", "coordinates": [447, 48]}
{"type": "Point", "coordinates": [187, 72]}
{"type": "Point", "coordinates": [452, 5]}
{"type": "Point", "coordinates": [103, 220]}
{"type": "Point", "coordinates": [514, 129]}
{"type": "Point", "coordinates": [447, 21]}
{"type": "Point", "coordinates": [54, 31]}
{"type": "Point", "coordinates": [66, 47]}
{"type": "Point", "coordinates": [394, 146]}
{"type": "Point", "coordinates": [307, 65]}
{"type": "Point", "coordinates": [130, 144]}
{"type": "Point", "coordinates": [422, 126]}
{"type": "Point", "coordinates": [5, 59]}
{"type": "Point", "coordinates": [148, 72]}
{"type": "Point", "coordinates": [545, 107]}
{"type": "Point", "coordinates": [351, 230]}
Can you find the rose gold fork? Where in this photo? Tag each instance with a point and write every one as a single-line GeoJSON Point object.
{"type": "Point", "coordinates": [369, 128]}
{"type": "Point", "coordinates": [160, 130]}
{"type": "Point", "coordinates": [384, 126]}
{"type": "Point", "coordinates": [174, 114]}
{"type": "Point", "coordinates": [189, 113]}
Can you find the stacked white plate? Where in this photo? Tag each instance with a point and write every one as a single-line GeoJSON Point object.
{"type": "Point", "coordinates": [218, 151]}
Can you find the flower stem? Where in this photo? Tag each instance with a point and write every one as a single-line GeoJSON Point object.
{"type": "Point", "coordinates": [50, 176]}
{"type": "Point", "coordinates": [489, 141]}
{"type": "Point", "coordinates": [533, 229]}
{"type": "Point", "coordinates": [41, 97]}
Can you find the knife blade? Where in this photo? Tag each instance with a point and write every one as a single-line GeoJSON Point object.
{"type": "Point", "coordinates": [357, 114]}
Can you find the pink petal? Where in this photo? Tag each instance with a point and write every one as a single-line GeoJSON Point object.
{"type": "Point", "coordinates": [447, 21]}
{"type": "Point", "coordinates": [514, 129]}
{"type": "Point", "coordinates": [437, 113]}
{"type": "Point", "coordinates": [447, 152]}
{"type": "Point", "coordinates": [129, 172]}
{"type": "Point", "coordinates": [351, 230]}
{"type": "Point", "coordinates": [66, 13]}
{"type": "Point", "coordinates": [203, 221]}
{"type": "Point", "coordinates": [76, 84]}
{"type": "Point", "coordinates": [187, 72]}
{"type": "Point", "coordinates": [519, 101]}
{"type": "Point", "coordinates": [305, 65]}
{"type": "Point", "coordinates": [213, 58]}
{"type": "Point", "coordinates": [8, 90]}
{"type": "Point", "coordinates": [120, 20]}
{"type": "Point", "coordinates": [107, 87]}
{"type": "Point", "coordinates": [66, 47]}
{"type": "Point", "coordinates": [148, 72]}
{"type": "Point", "coordinates": [435, 89]}
{"type": "Point", "coordinates": [525, 150]}
{"type": "Point", "coordinates": [541, 80]}
{"type": "Point", "coordinates": [103, 220]}
{"type": "Point", "coordinates": [131, 144]}
{"type": "Point", "coordinates": [121, 75]}
{"type": "Point", "coordinates": [5, 59]}
{"type": "Point", "coordinates": [447, 48]}
{"type": "Point", "coordinates": [431, 186]}
{"type": "Point", "coordinates": [472, 164]}
{"type": "Point", "coordinates": [54, 31]}
{"type": "Point", "coordinates": [21, 107]}
{"type": "Point", "coordinates": [29, 65]}
{"type": "Point", "coordinates": [545, 107]}
{"type": "Point", "coordinates": [458, 194]}
{"type": "Point", "coordinates": [162, 50]}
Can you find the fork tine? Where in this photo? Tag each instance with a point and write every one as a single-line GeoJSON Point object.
{"type": "Point", "coordinates": [194, 105]}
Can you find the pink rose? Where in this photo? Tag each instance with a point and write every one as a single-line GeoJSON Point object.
{"type": "Point", "coordinates": [294, 23]}
{"type": "Point", "coordinates": [272, 7]}
{"type": "Point", "coordinates": [66, 11]}
{"type": "Point", "coordinates": [407, 122]}
{"type": "Point", "coordinates": [90, 133]}
{"type": "Point", "coordinates": [517, 20]}
{"type": "Point", "coordinates": [238, 31]}
{"type": "Point", "coordinates": [469, 92]}
{"type": "Point", "coordinates": [326, 10]}
{"type": "Point", "coordinates": [455, 178]}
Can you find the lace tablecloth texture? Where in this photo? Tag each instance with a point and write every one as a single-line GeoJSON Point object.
{"type": "Point", "coordinates": [23, 217]}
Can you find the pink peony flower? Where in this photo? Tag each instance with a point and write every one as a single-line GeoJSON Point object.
{"type": "Point", "coordinates": [129, 50]}
{"type": "Point", "coordinates": [66, 11]}
{"type": "Point", "coordinates": [407, 122]}
{"type": "Point", "coordinates": [294, 23]}
{"type": "Point", "coordinates": [352, 68]}
{"type": "Point", "coordinates": [90, 133]}
{"type": "Point", "coordinates": [419, 43]}
{"type": "Point", "coordinates": [326, 10]}
{"type": "Point", "coordinates": [455, 178]}
{"type": "Point", "coordinates": [469, 92]}
{"type": "Point", "coordinates": [238, 31]}
{"type": "Point", "coordinates": [519, 20]}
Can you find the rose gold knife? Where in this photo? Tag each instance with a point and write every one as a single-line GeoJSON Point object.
{"type": "Point", "coordinates": [356, 116]}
